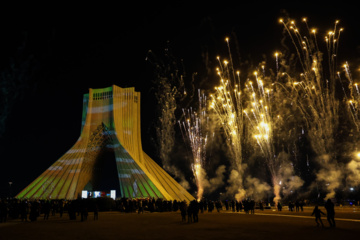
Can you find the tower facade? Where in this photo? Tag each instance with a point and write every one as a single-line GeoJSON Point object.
{"type": "Point", "coordinates": [110, 123]}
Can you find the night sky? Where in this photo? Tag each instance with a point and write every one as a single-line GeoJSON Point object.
{"type": "Point", "coordinates": [73, 50]}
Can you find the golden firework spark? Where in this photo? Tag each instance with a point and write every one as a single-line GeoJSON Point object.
{"type": "Point", "coordinates": [314, 93]}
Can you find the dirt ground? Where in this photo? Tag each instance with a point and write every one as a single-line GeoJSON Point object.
{"type": "Point", "coordinates": [267, 224]}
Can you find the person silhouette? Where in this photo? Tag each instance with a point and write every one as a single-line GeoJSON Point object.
{"type": "Point", "coordinates": [330, 212]}
{"type": "Point", "coordinates": [195, 211]}
{"type": "Point", "coordinates": [96, 212]}
{"type": "Point", "coordinates": [317, 212]}
{"type": "Point", "coordinates": [190, 212]}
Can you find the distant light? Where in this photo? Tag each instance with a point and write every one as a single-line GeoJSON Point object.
{"type": "Point", "coordinates": [113, 194]}
{"type": "Point", "coordinates": [351, 189]}
{"type": "Point", "coordinates": [84, 194]}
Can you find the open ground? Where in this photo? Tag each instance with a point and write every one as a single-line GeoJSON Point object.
{"type": "Point", "coordinates": [267, 224]}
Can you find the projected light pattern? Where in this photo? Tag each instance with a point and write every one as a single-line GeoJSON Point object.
{"type": "Point", "coordinates": [110, 122]}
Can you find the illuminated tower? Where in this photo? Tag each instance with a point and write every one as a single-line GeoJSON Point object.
{"type": "Point", "coordinates": [110, 122]}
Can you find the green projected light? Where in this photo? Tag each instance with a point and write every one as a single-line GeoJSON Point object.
{"type": "Point", "coordinates": [110, 123]}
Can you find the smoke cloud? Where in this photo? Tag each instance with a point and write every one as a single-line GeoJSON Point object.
{"type": "Point", "coordinates": [330, 175]}
{"type": "Point", "coordinates": [353, 173]}
{"type": "Point", "coordinates": [289, 182]}
{"type": "Point", "coordinates": [212, 184]}
{"type": "Point", "coordinates": [235, 186]}
{"type": "Point", "coordinates": [255, 189]}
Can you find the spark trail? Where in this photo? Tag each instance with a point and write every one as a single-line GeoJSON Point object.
{"type": "Point", "coordinates": [262, 125]}
{"type": "Point", "coordinates": [314, 94]}
{"type": "Point", "coordinates": [227, 104]}
{"type": "Point", "coordinates": [170, 91]}
{"type": "Point", "coordinates": [249, 114]}
{"type": "Point", "coordinates": [352, 96]}
{"type": "Point", "coordinates": [194, 130]}
{"type": "Point", "coordinates": [352, 101]}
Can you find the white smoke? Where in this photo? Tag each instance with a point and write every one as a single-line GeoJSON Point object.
{"type": "Point", "coordinates": [256, 189]}
{"type": "Point", "coordinates": [289, 182]}
{"type": "Point", "coordinates": [178, 174]}
{"type": "Point", "coordinates": [330, 174]}
{"type": "Point", "coordinates": [235, 187]}
{"type": "Point", "coordinates": [353, 173]}
{"type": "Point", "coordinates": [214, 183]}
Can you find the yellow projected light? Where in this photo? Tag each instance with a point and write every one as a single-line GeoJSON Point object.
{"type": "Point", "coordinates": [111, 121]}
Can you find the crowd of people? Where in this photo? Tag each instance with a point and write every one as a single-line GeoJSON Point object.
{"type": "Point", "coordinates": [32, 210]}
{"type": "Point", "coordinates": [299, 206]}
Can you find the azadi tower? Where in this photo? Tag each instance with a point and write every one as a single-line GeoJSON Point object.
{"type": "Point", "coordinates": [111, 123]}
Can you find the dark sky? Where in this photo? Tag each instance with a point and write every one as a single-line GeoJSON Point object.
{"type": "Point", "coordinates": [74, 49]}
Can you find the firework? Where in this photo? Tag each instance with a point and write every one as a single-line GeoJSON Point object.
{"type": "Point", "coordinates": [227, 104]}
{"type": "Point", "coordinates": [352, 96]}
{"type": "Point", "coordinates": [314, 95]}
{"type": "Point", "coordinates": [262, 124]}
{"type": "Point", "coordinates": [194, 130]}
{"type": "Point", "coordinates": [250, 116]}
{"type": "Point", "coordinates": [169, 92]}
{"type": "Point", "coordinates": [352, 101]}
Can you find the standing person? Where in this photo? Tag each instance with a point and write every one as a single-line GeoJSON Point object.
{"type": "Point", "coordinates": [96, 212]}
{"type": "Point", "coordinates": [301, 205]}
{"type": "Point", "coordinates": [261, 206]}
{"type": "Point", "coordinates": [141, 210]}
{"type": "Point", "coordinates": [317, 212]}
{"type": "Point", "coordinates": [330, 212]}
{"type": "Point", "coordinates": [218, 206]}
{"type": "Point", "coordinates": [23, 210]}
{"type": "Point", "coordinates": [190, 211]}
{"type": "Point", "coordinates": [240, 206]}
{"type": "Point", "coordinates": [291, 206]}
{"type": "Point", "coordinates": [183, 211]}
{"type": "Point", "coordinates": [46, 209]}
{"type": "Point", "coordinates": [297, 206]}
{"type": "Point", "coordinates": [237, 205]}
{"type": "Point", "coordinates": [3, 211]}
{"type": "Point", "coordinates": [246, 206]}
{"type": "Point", "coordinates": [233, 205]}
{"type": "Point", "coordinates": [61, 207]}
{"type": "Point", "coordinates": [34, 211]}
{"type": "Point", "coordinates": [252, 206]}
{"type": "Point", "coordinates": [195, 211]}
{"type": "Point", "coordinates": [201, 206]}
